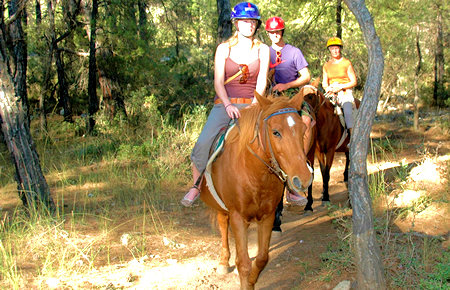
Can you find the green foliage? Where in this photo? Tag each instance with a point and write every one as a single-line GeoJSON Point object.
{"type": "Point", "coordinates": [339, 255]}
{"type": "Point", "coordinates": [166, 82]}
{"type": "Point", "coordinates": [439, 278]}
{"type": "Point", "coordinates": [169, 51]}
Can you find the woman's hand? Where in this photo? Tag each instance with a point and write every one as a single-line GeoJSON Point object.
{"type": "Point", "coordinates": [232, 111]}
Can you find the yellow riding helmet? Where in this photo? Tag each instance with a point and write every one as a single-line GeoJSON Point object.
{"type": "Point", "coordinates": [334, 41]}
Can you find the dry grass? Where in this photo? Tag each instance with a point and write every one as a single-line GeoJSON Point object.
{"type": "Point", "coordinates": [118, 218]}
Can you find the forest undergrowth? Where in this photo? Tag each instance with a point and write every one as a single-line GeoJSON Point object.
{"type": "Point", "coordinates": [117, 203]}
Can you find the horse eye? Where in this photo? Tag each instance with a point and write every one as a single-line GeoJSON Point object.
{"type": "Point", "coordinates": [276, 133]}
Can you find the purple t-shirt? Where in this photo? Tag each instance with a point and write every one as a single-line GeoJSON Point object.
{"type": "Point", "coordinates": [292, 61]}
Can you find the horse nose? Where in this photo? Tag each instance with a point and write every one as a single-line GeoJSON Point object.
{"type": "Point", "coordinates": [297, 184]}
{"type": "Point", "coordinates": [296, 181]}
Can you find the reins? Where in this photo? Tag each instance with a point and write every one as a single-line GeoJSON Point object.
{"type": "Point", "coordinates": [274, 166]}
{"type": "Point", "coordinates": [316, 110]}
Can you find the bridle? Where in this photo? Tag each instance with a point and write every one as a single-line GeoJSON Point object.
{"type": "Point", "coordinates": [274, 166]}
{"type": "Point", "coordinates": [316, 91]}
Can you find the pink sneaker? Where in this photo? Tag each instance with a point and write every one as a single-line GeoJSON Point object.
{"type": "Point", "coordinates": [186, 201]}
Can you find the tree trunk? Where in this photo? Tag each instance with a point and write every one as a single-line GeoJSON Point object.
{"type": "Point", "coordinates": [32, 186]}
{"type": "Point", "coordinates": [42, 115]}
{"type": "Point", "coordinates": [339, 19]}
{"type": "Point", "coordinates": [92, 83]}
{"type": "Point", "coordinates": [47, 60]}
{"type": "Point", "coordinates": [70, 11]}
{"type": "Point", "coordinates": [63, 88]}
{"type": "Point", "coordinates": [19, 53]}
{"type": "Point", "coordinates": [368, 258]}
{"type": "Point", "coordinates": [111, 92]}
{"type": "Point", "coordinates": [224, 26]}
{"type": "Point", "coordinates": [438, 91]}
{"type": "Point", "coordinates": [416, 83]}
{"type": "Point", "coordinates": [37, 7]}
{"type": "Point", "coordinates": [143, 22]}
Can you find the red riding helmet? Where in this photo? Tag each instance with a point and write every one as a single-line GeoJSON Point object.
{"type": "Point", "coordinates": [274, 24]}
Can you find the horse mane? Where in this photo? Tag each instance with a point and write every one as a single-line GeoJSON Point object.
{"type": "Point", "coordinates": [245, 133]}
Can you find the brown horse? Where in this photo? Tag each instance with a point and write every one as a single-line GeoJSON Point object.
{"type": "Point", "coordinates": [329, 133]}
{"type": "Point", "coordinates": [262, 152]}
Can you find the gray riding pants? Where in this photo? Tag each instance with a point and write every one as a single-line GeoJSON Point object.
{"type": "Point", "coordinates": [348, 114]}
{"type": "Point", "coordinates": [217, 119]}
{"type": "Point", "coordinates": [346, 100]}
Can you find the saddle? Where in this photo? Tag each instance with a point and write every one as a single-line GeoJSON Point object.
{"type": "Point", "coordinates": [215, 151]}
{"type": "Point", "coordinates": [338, 111]}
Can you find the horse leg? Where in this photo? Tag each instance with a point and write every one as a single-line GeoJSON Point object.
{"type": "Point", "coordinates": [244, 265]}
{"type": "Point", "coordinates": [261, 259]}
{"type": "Point", "coordinates": [308, 207]}
{"type": "Point", "coordinates": [347, 163]}
{"type": "Point", "coordinates": [223, 221]}
{"type": "Point", "coordinates": [278, 213]}
{"type": "Point", "coordinates": [325, 169]}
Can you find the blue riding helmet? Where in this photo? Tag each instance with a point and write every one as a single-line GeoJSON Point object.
{"type": "Point", "coordinates": [245, 10]}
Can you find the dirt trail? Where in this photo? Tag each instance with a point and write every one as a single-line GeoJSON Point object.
{"type": "Point", "coordinates": [294, 256]}
{"type": "Point", "coordinates": [188, 258]}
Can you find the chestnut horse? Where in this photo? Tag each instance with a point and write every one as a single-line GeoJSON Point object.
{"type": "Point", "coordinates": [329, 133]}
{"type": "Point", "coordinates": [261, 153]}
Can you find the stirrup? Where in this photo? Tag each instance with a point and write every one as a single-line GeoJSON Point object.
{"type": "Point", "coordinates": [188, 202]}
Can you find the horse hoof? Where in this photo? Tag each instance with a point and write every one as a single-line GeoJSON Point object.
{"type": "Point", "coordinates": [308, 213]}
{"type": "Point", "coordinates": [223, 269]}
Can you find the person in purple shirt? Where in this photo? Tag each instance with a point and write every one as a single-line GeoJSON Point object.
{"type": "Point", "coordinates": [291, 73]}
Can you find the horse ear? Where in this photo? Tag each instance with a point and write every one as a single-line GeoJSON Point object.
{"type": "Point", "coordinates": [316, 82]}
{"type": "Point", "coordinates": [297, 100]}
{"type": "Point", "coordinates": [263, 101]}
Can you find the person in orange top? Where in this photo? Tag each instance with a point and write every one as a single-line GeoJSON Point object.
{"type": "Point", "coordinates": [339, 78]}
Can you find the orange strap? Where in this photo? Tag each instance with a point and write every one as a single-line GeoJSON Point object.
{"type": "Point", "coordinates": [233, 77]}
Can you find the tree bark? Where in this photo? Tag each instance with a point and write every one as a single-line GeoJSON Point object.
{"type": "Point", "coordinates": [112, 94]}
{"type": "Point", "coordinates": [63, 88]}
{"type": "Point", "coordinates": [438, 91]}
{"type": "Point", "coordinates": [37, 7]}
{"type": "Point", "coordinates": [368, 258]}
{"type": "Point", "coordinates": [339, 19]}
{"type": "Point", "coordinates": [92, 82]}
{"type": "Point", "coordinates": [18, 49]}
{"type": "Point", "coordinates": [47, 60]}
{"type": "Point", "coordinates": [143, 22]}
{"type": "Point", "coordinates": [32, 186]}
{"type": "Point", "coordinates": [70, 10]}
{"type": "Point", "coordinates": [416, 82]}
{"type": "Point", "coordinates": [224, 27]}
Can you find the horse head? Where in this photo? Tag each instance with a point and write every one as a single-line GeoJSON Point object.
{"type": "Point", "coordinates": [312, 94]}
{"type": "Point", "coordinates": [280, 130]}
